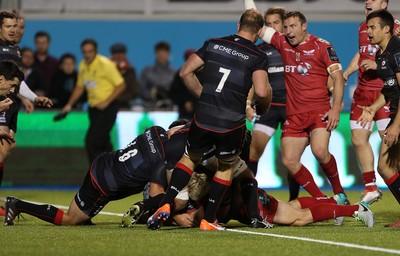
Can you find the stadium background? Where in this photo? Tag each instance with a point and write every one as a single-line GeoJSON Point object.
{"type": "Point", "coordinates": [51, 153]}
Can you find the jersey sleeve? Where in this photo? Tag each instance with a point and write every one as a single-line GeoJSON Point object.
{"type": "Point", "coordinates": [395, 61]}
{"type": "Point", "coordinates": [328, 53]}
{"type": "Point", "coordinates": [203, 50]}
{"type": "Point", "coordinates": [277, 40]}
{"type": "Point", "coordinates": [114, 75]}
{"type": "Point", "coordinates": [262, 63]}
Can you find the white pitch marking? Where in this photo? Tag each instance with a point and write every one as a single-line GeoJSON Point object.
{"type": "Point", "coordinates": [364, 247]}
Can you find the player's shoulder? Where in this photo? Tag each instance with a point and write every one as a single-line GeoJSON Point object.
{"type": "Point", "coordinates": [320, 41]}
{"type": "Point", "coordinates": [394, 44]}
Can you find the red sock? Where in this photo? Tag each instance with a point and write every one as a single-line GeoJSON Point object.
{"type": "Point", "coordinates": [369, 177]}
{"type": "Point", "coordinates": [59, 217]}
{"type": "Point", "coordinates": [322, 212]}
{"type": "Point", "coordinates": [330, 170]}
{"type": "Point", "coordinates": [305, 179]}
{"type": "Point", "coordinates": [306, 202]}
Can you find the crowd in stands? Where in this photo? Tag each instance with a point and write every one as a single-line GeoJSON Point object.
{"type": "Point", "coordinates": [157, 87]}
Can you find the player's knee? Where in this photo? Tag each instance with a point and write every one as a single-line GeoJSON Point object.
{"type": "Point", "coordinates": [195, 158]}
{"type": "Point", "coordinates": [289, 162]}
{"type": "Point", "coordinates": [255, 152]}
{"type": "Point", "coordinates": [227, 163]}
{"type": "Point", "coordinates": [321, 154]}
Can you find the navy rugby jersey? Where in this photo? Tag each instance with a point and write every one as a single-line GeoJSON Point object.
{"type": "Point", "coordinates": [275, 73]}
{"type": "Point", "coordinates": [388, 65]}
{"type": "Point", "coordinates": [11, 52]}
{"type": "Point", "coordinates": [127, 171]}
{"type": "Point", "coordinates": [229, 63]}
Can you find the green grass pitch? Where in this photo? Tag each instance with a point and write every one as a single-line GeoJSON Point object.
{"type": "Point", "coordinates": [30, 236]}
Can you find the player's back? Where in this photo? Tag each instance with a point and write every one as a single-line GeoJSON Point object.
{"type": "Point", "coordinates": [229, 64]}
{"type": "Point", "coordinates": [141, 161]}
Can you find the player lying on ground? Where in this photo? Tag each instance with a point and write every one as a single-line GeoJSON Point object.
{"type": "Point", "coordinates": [175, 149]}
{"type": "Point", "coordinates": [299, 212]}
{"type": "Point", "coordinates": [112, 176]}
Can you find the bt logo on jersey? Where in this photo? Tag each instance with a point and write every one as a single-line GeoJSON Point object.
{"type": "Point", "coordinates": [302, 68]}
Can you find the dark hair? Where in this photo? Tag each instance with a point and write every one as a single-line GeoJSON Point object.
{"type": "Point", "coordinates": [67, 56]}
{"type": "Point", "coordinates": [251, 21]}
{"type": "Point", "coordinates": [178, 122]}
{"type": "Point", "coordinates": [9, 69]}
{"type": "Point", "coordinates": [385, 17]}
{"type": "Point", "coordinates": [275, 10]}
{"type": "Point", "coordinates": [162, 46]}
{"type": "Point", "coordinates": [89, 41]}
{"type": "Point", "coordinates": [118, 48]}
{"type": "Point", "coordinates": [42, 34]}
{"type": "Point", "coordinates": [26, 49]}
{"type": "Point", "coordinates": [6, 15]}
{"type": "Point", "coordinates": [294, 14]}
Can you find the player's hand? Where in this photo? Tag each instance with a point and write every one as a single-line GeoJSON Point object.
{"type": "Point", "coordinates": [5, 104]}
{"type": "Point", "coordinates": [332, 117]}
{"type": "Point", "coordinates": [6, 137]}
{"type": "Point", "coordinates": [368, 65]}
{"type": "Point", "coordinates": [28, 105]}
{"type": "Point", "coordinates": [367, 116]}
{"type": "Point", "coordinates": [43, 101]}
{"type": "Point", "coordinates": [250, 113]}
{"type": "Point", "coordinates": [391, 135]}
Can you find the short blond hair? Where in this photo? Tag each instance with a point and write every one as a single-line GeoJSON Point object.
{"type": "Point", "coordinates": [199, 185]}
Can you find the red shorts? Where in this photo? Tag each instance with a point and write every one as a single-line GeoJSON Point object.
{"type": "Point", "coordinates": [366, 98]}
{"type": "Point", "coordinates": [300, 125]}
{"type": "Point", "coordinates": [268, 211]}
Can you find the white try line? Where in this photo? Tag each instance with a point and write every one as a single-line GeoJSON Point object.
{"type": "Point", "coordinates": [369, 248]}
{"type": "Point", "coordinates": [66, 207]}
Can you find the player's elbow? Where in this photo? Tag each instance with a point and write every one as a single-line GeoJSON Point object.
{"type": "Point", "coordinates": [183, 73]}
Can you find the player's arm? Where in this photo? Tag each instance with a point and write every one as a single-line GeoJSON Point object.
{"type": "Point", "coordinates": [188, 74]}
{"type": "Point", "coordinates": [369, 111]}
{"type": "Point", "coordinates": [249, 4]}
{"type": "Point", "coordinates": [353, 67]}
{"type": "Point", "coordinates": [249, 109]}
{"type": "Point", "coordinates": [262, 91]}
{"type": "Point", "coordinates": [393, 131]}
{"type": "Point", "coordinates": [116, 92]}
{"type": "Point", "coordinates": [75, 95]}
{"type": "Point", "coordinates": [333, 115]}
{"type": "Point", "coordinates": [27, 93]}
{"type": "Point", "coordinates": [335, 73]}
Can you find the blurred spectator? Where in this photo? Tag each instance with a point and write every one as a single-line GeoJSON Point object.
{"type": "Point", "coordinates": [46, 63]}
{"type": "Point", "coordinates": [33, 76]}
{"type": "Point", "coordinates": [156, 79]}
{"type": "Point", "coordinates": [21, 26]}
{"type": "Point", "coordinates": [118, 56]}
{"type": "Point", "coordinates": [180, 96]}
{"type": "Point", "coordinates": [102, 81]}
{"type": "Point", "coordinates": [64, 82]}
